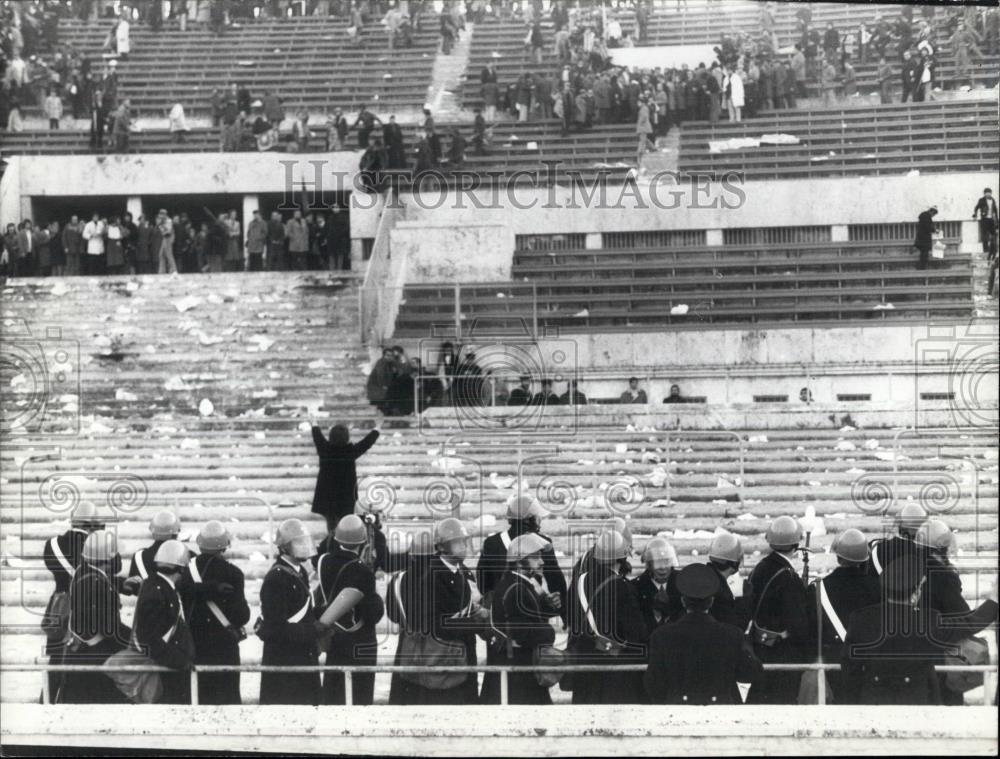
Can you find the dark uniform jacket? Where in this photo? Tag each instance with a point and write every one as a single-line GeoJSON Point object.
{"type": "Point", "coordinates": [403, 602]}
{"type": "Point", "coordinates": [847, 590]}
{"type": "Point", "coordinates": [519, 397]}
{"type": "Point", "coordinates": [888, 550]}
{"type": "Point", "coordinates": [728, 609]}
{"type": "Point", "coordinates": [337, 482]}
{"type": "Point", "coordinates": [287, 627]}
{"type": "Point", "coordinates": [891, 650]}
{"type": "Point", "coordinates": [222, 584]}
{"type": "Point", "coordinates": [63, 564]}
{"type": "Point", "coordinates": [698, 660]}
{"type": "Point", "coordinates": [519, 618]}
{"type": "Point", "coordinates": [925, 231]}
{"type": "Point", "coordinates": [161, 631]}
{"type": "Point", "coordinates": [617, 617]}
{"type": "Point", "coordinates": [653, 602]}
{"type": "Point", "coordinates": [781, 608]}
{"type": "Point", "coordinates": [493, 563]}
{"type": "Point", "coordinates": [96, 624]}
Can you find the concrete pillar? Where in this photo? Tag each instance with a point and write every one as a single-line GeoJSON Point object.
{"type": "Point", "coordinates": [713, 237]}
{"type": "Point", "coordinates": [133, 205]}
{"type": "Point", "coordinates": [251, 203]}
{"type": "Point", "coordinates": [358, 262]}
{"type": "Point", "coordinates": [970, 238]}
{"type": "Point", "coordinates": [594, 241]}
{"type": "Point", "coordinates": [839, 233]}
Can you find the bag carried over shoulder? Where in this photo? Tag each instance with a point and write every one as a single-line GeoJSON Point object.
{"type": "Point", "coordinates": [761, 636]}
{"type": "Point", "coordinates": [425, 650]}
{"type": "Point", "coordinates": [969, 651]}
{"type": "Point", "coordinates": [137, 687]}
{"type": "Point", "coordinates": [55, 621]}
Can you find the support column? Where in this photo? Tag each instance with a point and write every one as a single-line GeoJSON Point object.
{"type": "Point", "coordinates": [713, 237]}
{"type": "Point", "coordinates": [251, 203]}
{"type": "Point", "coordinates": [970, 238]}
{"type": "Point", "coordinates": [133, 205]}
{"type": "Point", "coordinates": [594, 241]}
{"type": "Point", "coordinates": [357, 254]}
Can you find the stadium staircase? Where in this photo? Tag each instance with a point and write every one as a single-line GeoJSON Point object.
{"type": "Point", "coordinates": [196, 393]}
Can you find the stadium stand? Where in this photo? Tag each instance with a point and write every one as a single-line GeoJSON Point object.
{"type": "Point", "coordinates": [691, 287]}
{"type": "Point", "coordinates": [308, 61]}
{"type": "Point", "coordinates": [143, 444]}
{"type": "Point", "coordinates": [889, 139]}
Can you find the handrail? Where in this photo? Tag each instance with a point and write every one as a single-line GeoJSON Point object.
{"type": "Point", "coordinates": [503, 670]}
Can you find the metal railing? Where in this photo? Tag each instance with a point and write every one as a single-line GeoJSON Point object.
{"type": "Point", "coordinates": [988, 670]}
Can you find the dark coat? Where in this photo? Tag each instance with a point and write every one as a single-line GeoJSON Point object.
{"type": "Point", "coordinates": [283, 594]}
{"type": "Point", "coordinates": [519, 397]}
{"type": "Point", "coordinates": [492, 565]}
{"type": "Point", "coordinates": [728, 609]}
{"type": "Point", "coordinates": [781, 609]}
{"type": "Point", "coordinates": [161, 630]}
{"type": "Point", "coordinates": [848, 589]}
{"type": "Point", "coordinates": [447, 593]}
{"type": "Point", "coordinates": [888, 550]}
{"type": "Point", "coordinates": [354, 641]}
{"type": "Point", "coordinates": [337, 481]}
{"type": "Point", "coordinates": [222, 583]}
{"type": "Point", "coordinates": [891, 650]}
{"type": "Point", "coordinates": [698, 661]}
{"type": "Point", "coordinates": [403, 605]}
{"type": "Point", "coordinates": [96, 623]}
{"type": "Point", "coordinates": [666, 604]}
{"type": "Point", "coordinates": [521, 615]}
{"type": "Point", "coordinates": [70, 544]}
{"type": "Point", "coordinates": [925, 231]}
{"type": "Point", "coordinates": [616, 613]}
{"type": "Point", "coordinates": [380, 380]}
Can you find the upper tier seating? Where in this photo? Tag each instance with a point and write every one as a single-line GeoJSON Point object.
{"type": "Point", "coordinates": [308, 61]}
{"type": "Point", "coordinates": [889, 139]}
{"type": "Point", "coordinates": [254, 449]}
{"type": "Point", "coordinates": [609, 148]}
{"type": "Point", "coordinates": [502, 41]}
{"type": "Point", "coordinates": [690, 287]}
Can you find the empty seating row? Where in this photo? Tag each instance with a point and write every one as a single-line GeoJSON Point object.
{"type": "Point", "coordinates": [939, 137]}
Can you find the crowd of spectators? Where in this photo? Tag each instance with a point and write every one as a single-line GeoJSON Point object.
{"type": "Point", "coordinates": [164, 243]}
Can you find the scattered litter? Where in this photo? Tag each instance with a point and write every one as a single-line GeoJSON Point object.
{"type": "Point", "coordinates": [845, 445]}
{"type": "Point", "coordinates": [190, 443]}
{"type": "Point", "coordinates": [206, 407]}
{"type": "Point", "coordinates": [269, 393]}
{"type": "Point", "coordinates": [259, 435]}
{"type": "Point", "coordinates": [757, 439]}
{"type": "Point", "coordinates": [883, 307]}
{"type": "Point", "coordinates": [679, 310]}
{"type": "Point", "coordinates": [304, 427]}
{"type": "Point", "coordinates": [318, 364]}
{"type": "Point", "coordinates": [745, 517]}
{"type": "Point", "coordinates": [621, 447]}
{"type": "Point", "coordinates": [175, 383]}
{"type": "Point", "coordinates": [59, 289]}
{"type": "Point", "coordinates": [815, 484]}
{"type": "Point", "coordinates": [125, 395]}
{"type": "Point", "coordinates": [262, 342]}
{"type": "Point", "coordinates": [187, 303]}
{"type": "Point", "coordinates": [872, 444]}
{"type": "Point", "coordinates": [584, 313]}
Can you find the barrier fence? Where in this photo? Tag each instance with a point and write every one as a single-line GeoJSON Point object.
{"type": "Point", "coordinates": [989, 673]}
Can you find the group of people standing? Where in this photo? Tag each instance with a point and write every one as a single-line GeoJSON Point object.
{"type": "Point", "coordinates": [888, 613]}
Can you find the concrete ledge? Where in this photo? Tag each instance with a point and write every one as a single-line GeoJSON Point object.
{"type": "Point", "coordinates": [513, 730]}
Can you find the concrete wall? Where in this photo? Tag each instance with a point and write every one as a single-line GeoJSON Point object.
{"type": "Point", "coordinates": [443, 254]}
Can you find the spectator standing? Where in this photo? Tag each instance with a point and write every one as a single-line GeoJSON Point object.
{"type": "Point", "coordinates": [72, 239]}
{"type": "Point", "coordinates": [130, 235]}
{"type": "Point", "coordinates": [276, 254]}
{"type": "Point", "coordinates": [53, 108]}
{"type": "Point", "coordinates": [57, 253]}
{"type": "Point", "coordinates": [925, 235]}
{"type": "Point", "coordinates": [850, 80]}
{"type": "Point", "coordinates": [365, 123]}
{"type": "Point", "coordinates": [297, 234]}
{"type": "Point", "coordinates": [123, 43]}
{"type": "Point", "coordinates": [799, 72]}
{"type": "Point", "coordinates": [644, 130]}
{"type": "Point", "coordinates": [490, 91]}
{"type": "Point", "coordinates": [94, 233]}
{"type": "Point", "coordinates": [986, 210]}
{"type": "Point", "coordinates": [735, 95]}
{"type": "Point", "coordinates": [165, 257]}
{"type": "Point", "coordinates": [145, 253]}
{"type": "Point", "coordinates": [256, 245]}
{"type": "Point", "coordinates": [121, 125]}
{"type": "Point", "coordinates": [234, 258]}
{"type": "Point", "coordinates": [274, 112]}
{"type": "Point", "coordinates": [634, 394]}
{"type": "Point", "coordinates": [392, 134]}
{"type": "Point", "coordinates": [337, 129]}
{"type": "Point", "coordinates": [338, 230]}
{"type": "Point", "coordinates": [178, 124]}
{"type": "Point", "coordinates": [885, 75]}
{"type": "Point", "coordinates": [828, 82]}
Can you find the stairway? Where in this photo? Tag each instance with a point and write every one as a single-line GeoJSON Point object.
{"type": "Point", "coordinates": [445, 90]}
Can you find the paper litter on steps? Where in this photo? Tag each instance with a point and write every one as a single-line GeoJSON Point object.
{"type": "Point", "coordinates": [125, 395]}
{"type": "Point", "coordinates": [187, 303]}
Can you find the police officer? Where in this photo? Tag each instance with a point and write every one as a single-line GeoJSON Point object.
{"type": "Point", "coordinates": [942, 590]}
{"type": "Point", "coordinates": [288, 624]}
{"type": "Point", "coordinates": [524, 515]}
{"type": "Point", "coordinates": [620, 525]}
{"type": "Point", "coordinates": [607, 625]}
{"type": "Point", "coordinates": [219, 612]}
{"type": "Point", "coordinates": [891, 647]}
{"type": "Point", "coordinates": [698, 660]}
{"type": "Point", "coordinates": [352, 608]}
{"type": "Point", "coordinates": [165, 525]}
{"type": "Point", "coordinates": [452, 612]}
{"type": "Point", "coordinates": [656, 587]}
{"type": "Point", "coordinates": [62, 555]}
{"type": "Point", "coordinates": [95, 623]}
{"type": "Point", "coordinates": [884, 551]}
{"type": "Point", "coordinates": [160, 623]}
{"type": "Point", "coordinates": [779, 624]}
{"type": "Point", "coordinates": [833, 599]}
{"type": "Point", "coordinates": [402, 606]}
{"type": "Point", "coordinates": [725, 557]}
{"type": "Point", "coordinates": [519, 620]}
